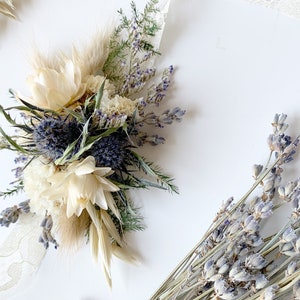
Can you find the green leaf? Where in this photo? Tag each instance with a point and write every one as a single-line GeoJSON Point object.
{"type": "Point", "coordinates": [164, 181]}
{"type": "Point", "coordinates": [7, 116]}
{"type": "Point", "coordinates": [107, 132]}
{"type": "Point", "coordinates": [99, 96]}
{"type": "Point", "coordinates": [14, 144]}
{"type": "Point", "coordinates": [9, 119]}
{"type": "Point", "coordinates": [78, 116]}
{"type": "Point", "coordinates": [68, 151]}
{"type": "Point", "coordinates": [12, 191]}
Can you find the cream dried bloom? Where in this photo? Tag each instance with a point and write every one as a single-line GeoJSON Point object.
{"type": "Point", "coordinates": [118, 105]}
{"type": "Point", "coordinates": [36, 184]}
{"type": "Point", "coordinates": [54, 87]}
{"type": "Point", "coordinates": [110, 102]}
{"type": "Point", "coordinates": [93, 84]}
{"type": "Point", "coordinates": [80, 184]}
{"type": "Point", "coordinates": [60, 81]}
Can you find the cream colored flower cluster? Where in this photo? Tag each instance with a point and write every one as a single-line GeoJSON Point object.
{"type": "Point", "coordinates": [75, 186]}
{"type": "Point", "coordinates": [62, 81]}
{"type": "Point", "coordinates": [68, 194]}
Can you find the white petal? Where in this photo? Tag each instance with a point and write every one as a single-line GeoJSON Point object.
{"type": "Point", "coordinates": [112, 204]}
{"type": "Point", "coordinates": [100, 198]}
{"type": "Point", "coordinates": [111, 228]}
{"type": "Point", "coordinates": [123, 254]}
{"type": "Point", "coordinates": [38, 92]}
{"type": "Point", "coordinates": [105, 250]}
{"type": "Point", "coordinates": [94, 240]}
{"type": "Point", "coordinates": [87, 166]}
{"type": "Point", "coordinates": [107, 185]}
{"type": "Point", "coordinates": [105, 171]}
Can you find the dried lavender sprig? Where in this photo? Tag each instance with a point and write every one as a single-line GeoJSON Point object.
{"type": "Point", "coordinates": [11, 215]}
{"type": "Point", "coordinates": [131, 47]}
{"type": "Point", "coordinates": [166, 118]}
{"type": "Point", "coordinates": [46, 237]}
{"type": "Point", "coordinates": [214, 226]}
{"type": "Point", "coordinates": [157, 92]}
{"type": "Point", "coordinates": [283, 155]}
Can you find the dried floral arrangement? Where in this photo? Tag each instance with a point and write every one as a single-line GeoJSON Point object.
{"type": "Point", "coordinates": [78, 137]}
{"type": "Point", "coordinates": [237, 258]}
{"type": "Point", "coordinates": [7, 8]}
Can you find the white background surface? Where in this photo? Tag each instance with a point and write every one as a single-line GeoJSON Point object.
{"type": "Point", "coordinates": [237, 64]}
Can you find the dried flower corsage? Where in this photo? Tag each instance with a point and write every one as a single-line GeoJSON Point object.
{"type": "Point", "coordinates": [238, 258]}
{"type": "Point", "coordinates": [78, 138]}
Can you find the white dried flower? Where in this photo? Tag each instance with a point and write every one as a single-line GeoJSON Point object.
{"type": "Point", "coordinates": [36, 184]}
{"type": "Point", "coordinates": [117, 105]}
{"type": "Point", "coordinates": [59, 81]}
{"type": "Point", "coordinates": [57, 86]}
{"type": "Point", "coordinates": [93, 84]}
{"type": "Point", "coordinates": [82, 183]}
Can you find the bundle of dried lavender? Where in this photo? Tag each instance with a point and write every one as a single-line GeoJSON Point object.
{"type": "Point", "coordinates": [237, 260]}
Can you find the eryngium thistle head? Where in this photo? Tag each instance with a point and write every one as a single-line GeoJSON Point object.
{"type": "Point", "coordinates": [110, 151]}
{"type": "Point", "coordinates": [53, 135]}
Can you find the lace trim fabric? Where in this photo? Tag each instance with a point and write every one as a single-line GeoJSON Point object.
{"type": "Point", "coordinates": [20, 254]}
{"type": "Point", "coordinates": [287, 7]}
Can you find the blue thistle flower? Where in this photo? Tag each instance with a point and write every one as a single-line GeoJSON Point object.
{"type": "Point", "coordinates": [53, 135]}
{"type": "Point", "coordinates": [110, 151]}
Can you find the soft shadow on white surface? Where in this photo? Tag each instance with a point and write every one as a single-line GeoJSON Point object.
{"type": "Point", "coordinates": [237, 64]}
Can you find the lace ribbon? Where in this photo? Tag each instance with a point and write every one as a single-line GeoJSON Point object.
{"type": "Point", "coordinates": [287, 7]}
{"type": "Point", "coordinates": [20, 254]}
